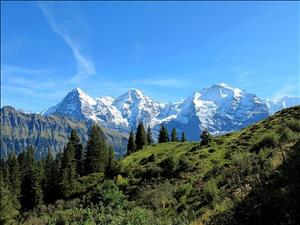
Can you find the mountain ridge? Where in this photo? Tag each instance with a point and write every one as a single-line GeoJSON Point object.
{"type": "Point", "coordinates": [220, 108]}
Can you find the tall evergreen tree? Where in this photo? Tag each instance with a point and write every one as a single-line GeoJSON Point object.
{"type": "Point", "coordinates": [111, 164]}
{"type": "Point", "coordinates": [75, 140]}
{"type": "Point", "coordinates": [68, 170]}
{"type": "Point", "coordinates": [149, 136]}
{"type": "Point", "coordinates": [31, 192]}
{"type": "Point", "coordinates": [183, 138]}
{"type": "Point", "coordinates": [50, 179]}
{"type": "Point", "coordinates": [96, 151]}
{"type": "Point", "coordinates": [14, 176]}
{"type": "Point", "coordinates": [163, 134]}
{"type": "Point", "coordinates": [174, 137]}
{"type": "Point", "coordinates": [140, 137]}
{"type": "Point", "coordinates": [131, 147]}
{"type": "Point", "coordinates": [8, 210]}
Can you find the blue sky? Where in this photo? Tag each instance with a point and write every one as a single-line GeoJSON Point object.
{"type": "Point", "coordinates": [166, 49]}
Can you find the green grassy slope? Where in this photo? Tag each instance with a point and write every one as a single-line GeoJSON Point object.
{"type": "Point", "coordinates": [242, 178]}
{"type": "Point", "coordinates": [220, 175]}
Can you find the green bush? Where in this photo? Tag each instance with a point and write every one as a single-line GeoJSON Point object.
{"type": "Point", "coordinates": [267, 141]}
{"type": "Point", "coordinates": [169, 165]}
{"type": "Point", "coordinates": [294, 125]}
{"type": "Point", "coordinates": [152, 172]}
{"type": "Point", "coordinates": [210, 191]}
{"type": "Point", "coordinates": [107, 194]}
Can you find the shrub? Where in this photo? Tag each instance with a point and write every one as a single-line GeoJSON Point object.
{"type": "Point", "coordinates": [152, 172]}
{"type": "Point", "coordinates": [205, 137]}
{"type": "Point", "coordinates": [268, 141]}
{"type": "Point", "coordinates": [157, 196]}
{"type": "Point", "coordinates": [107, 194]}
{"type": "Point", "coordinates": [210, 191]}
{"type": "Point", "coordinates": [168, 165]}
{"type": "Point", "coordinates": [183, 165]}
{"type": "Point", "coordinates": [294, 125]}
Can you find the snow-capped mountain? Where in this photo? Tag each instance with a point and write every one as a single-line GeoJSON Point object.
{"type": "Point", "coordinates": [282, 103]}
{"type": "Point", "coordinates": [219, 108]}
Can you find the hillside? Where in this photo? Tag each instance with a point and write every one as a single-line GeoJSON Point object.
{"type": "Point", "coordinates": [230, 180]}
{"type": "Point", "coordinates": [20, 130]}
{"type": "Point", "coordinates": [245, 177]}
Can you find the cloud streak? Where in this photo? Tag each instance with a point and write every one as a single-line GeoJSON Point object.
{"type": "Point", "coordinates": [68, 21]}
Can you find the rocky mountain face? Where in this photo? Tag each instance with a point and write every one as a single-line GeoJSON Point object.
{"type": "Point", "coordinates": [20, 130]}
{"type": "Point", "coordinates": [219, 108]}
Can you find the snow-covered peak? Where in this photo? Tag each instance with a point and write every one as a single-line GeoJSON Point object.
{"type": "Point", "coordinates": [131, 95]}
{"type": "Point", "coordinates": [77, 92]}
{"type": "Point", "coordinates": [220, 108]}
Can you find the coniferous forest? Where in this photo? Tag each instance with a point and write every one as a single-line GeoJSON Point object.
{"type": "Point", "coordinates": [245, 177]}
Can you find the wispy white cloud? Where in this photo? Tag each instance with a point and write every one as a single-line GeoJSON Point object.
{"type": "Point", "coordinates": [11, 69]}
{"type": "Point", "coordinates": [25, 87]}
{"type": "Point", "coordinates": [68, 21]}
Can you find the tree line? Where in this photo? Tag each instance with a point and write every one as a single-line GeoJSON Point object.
{"type": "Point", "coordinates": [142, 137]}
{"type": "Point", "coordinates": [27, 183]}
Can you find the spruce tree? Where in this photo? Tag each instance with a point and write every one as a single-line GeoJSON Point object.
{"type": "Point", "coordinates": [163, 134]}
{"type": "Point", "coordinates": [96, 151]}
{"type": "Point", "coordinates": [174, 137]}
{"type": "Point", "coordinates": [68, 170]}
{"type": "Point", "coordinates": [8, 210]}
{"type": "Point", "coordinates": [31, 192]}
{"type": "Point", "coordinates": [50, 179]}
{"type": "Point", "coordinates": [131, 147]}
{"type": "Point", "coordinates": [140, 137]}
{"type": "Point", "coordinates": [149, 136]}
{"type": "Point", "coordinates": [14, 176]}
{"type": "Point", "coordinates": [111, 164]}
{"type": "Point", "coordinates": [205, 137]}
{"type": "Point", "coordinates": [183, 138]}
{"type": "Point", "coordinates": [75, 140]}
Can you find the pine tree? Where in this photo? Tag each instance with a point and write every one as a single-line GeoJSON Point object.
{"type": "Point", "coordinates": [163, 134]}
{"type": "Point", "coordinates": [131, 147]}
{"type": "Point", "coordinates": [96, 151]}
{"type": "Point", "coordinates": [149, 136]}
{"type": "Point", "coordinates": [183, 138]}
{"type": "Point", "coordinates": [68, 170]}
{"type": "Point", "coordinates": [111, 164]}
{"type": "Point", "coordinates": [14, 179]}
{"type": "Point", "coordinates": [140, 137]}
{"type": "Point", "coordinates": [75, 140]}
{"type": "Point", "coordinates": [31, 192]}
{"type": "Point", "coordinates": [174, 137]}
{"type": "Point", "coordinates": [50, 179]}
{"type": "Point", "coordinates": [8, 210]}
{"type": "Point", "coordinates": [205, 137]}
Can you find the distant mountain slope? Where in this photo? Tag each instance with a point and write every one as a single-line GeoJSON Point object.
{"type": "Point", "coordinates": [219, 108]}
{"type": "Point", "coordinates": [20, 130]}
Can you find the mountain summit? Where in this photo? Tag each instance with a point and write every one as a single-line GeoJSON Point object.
{"type": "Point", "coordinates": [220, 108]}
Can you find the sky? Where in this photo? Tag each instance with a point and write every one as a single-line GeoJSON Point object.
{"type": "Point", "coordinates": [166, 49]}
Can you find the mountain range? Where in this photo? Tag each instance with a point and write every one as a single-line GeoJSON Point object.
{"type": "Point", "coordinates": [220, 108]}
